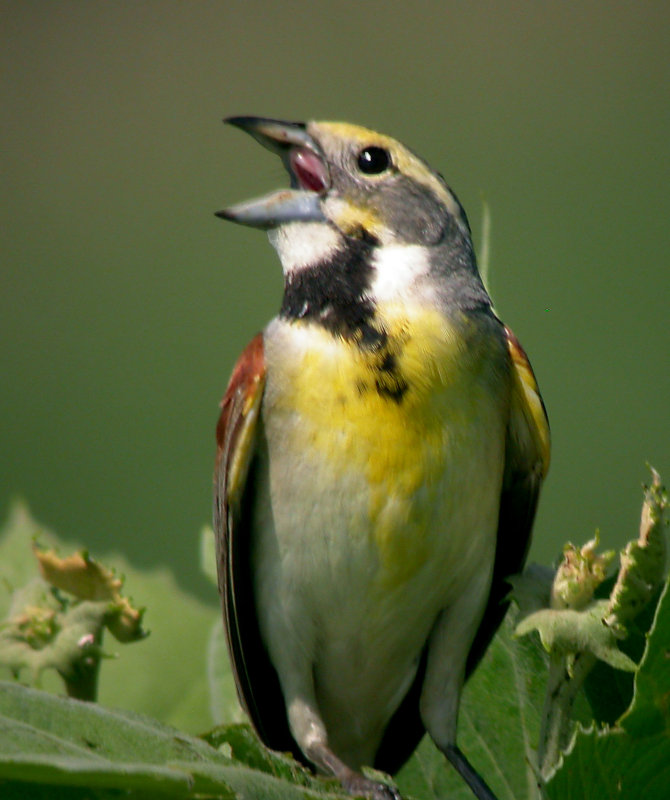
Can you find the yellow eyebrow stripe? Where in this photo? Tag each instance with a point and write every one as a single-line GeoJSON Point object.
{"type": "Point", "coordinates": [406, 162]}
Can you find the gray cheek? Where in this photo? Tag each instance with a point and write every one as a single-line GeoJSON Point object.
{"type": "Point", "coordinates": [413, 214]}
{"type": "Point", "coordinates": [409, 211]}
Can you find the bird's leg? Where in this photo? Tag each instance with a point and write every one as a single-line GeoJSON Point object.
{"type": "Point", "coordinates": [310, 733]}
{"type": "Point", "coordinates": [352, 782]}
{"type": "Point", "coordinates": [449, 645]}
{"type": "Point", "coordinates": [477, 784]}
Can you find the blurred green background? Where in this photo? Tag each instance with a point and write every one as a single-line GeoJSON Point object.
{"type": "Point", "coordinates": [124, 302]}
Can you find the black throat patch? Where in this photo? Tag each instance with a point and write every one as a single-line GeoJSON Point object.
{"type": "Point", "coordinates": [332, 293]}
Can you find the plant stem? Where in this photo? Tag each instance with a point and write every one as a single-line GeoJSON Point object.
{"type": "Point", "coordinates": [81, 682]}
{"type": "Point", "coordinates": [557, 725]}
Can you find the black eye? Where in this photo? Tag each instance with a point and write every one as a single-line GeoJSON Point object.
{"type": "Point", "coordinates": [374, 160]}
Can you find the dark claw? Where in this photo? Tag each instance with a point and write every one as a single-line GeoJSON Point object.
{"type": "Point", "coordinates": [352, 782]}
{"type": "Point", "coordinates": [360, 786]}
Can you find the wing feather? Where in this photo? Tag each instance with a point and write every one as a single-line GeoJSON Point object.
{"type": "Point", "coordinates": [239, 438]}
{"type": "Point", "coordinates": [527, 455]}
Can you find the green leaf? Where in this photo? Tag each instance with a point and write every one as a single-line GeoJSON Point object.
{"type": "Point", "coordinates": [642, 561]}
{"type": "Point", "coordinates": [632, 761]}
{"type": "Point", "coordinates": [56, 622]}
{"type": "Point", "coordinates": [17, 561]}
{"type": "Point", "coordinates": [610, 691]}
{"type": "Point", "coordinates": [498, 726]}
{"type": "Point", "coordinates": [223, 703]}
{"type": "Point", "coordinates": [650, 712]}
{"type": "Point", "coordinates": [565, 631]}
{"type": "Point", "coordinates": [51, 742]}
{"type": "Point", "coordinates": [166, 674]}
{"type": "Point", "coordinates": [613, 765]}
{"type": "Point", "coordinates": [242, 745]}
{"type": "Point", "coordinates": [531, 589]}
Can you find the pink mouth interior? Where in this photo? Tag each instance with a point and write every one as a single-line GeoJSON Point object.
{"type": "Point", "coordinates": [308, 169]}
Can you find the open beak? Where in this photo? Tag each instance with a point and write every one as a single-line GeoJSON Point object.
{"type": "Point", "coordinates": [306, 165]}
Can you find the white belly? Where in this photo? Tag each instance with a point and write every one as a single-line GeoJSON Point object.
{"type": "Point", "coordinates": [362, 544]}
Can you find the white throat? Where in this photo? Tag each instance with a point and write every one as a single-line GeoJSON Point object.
{"type": "Point", "coordinates": [400, 272]}
{"type": "Point", "coordinates": [304, 244]}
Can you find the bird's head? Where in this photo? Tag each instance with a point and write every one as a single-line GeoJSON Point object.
{"type": "Point", "coordinates": [365, 201]}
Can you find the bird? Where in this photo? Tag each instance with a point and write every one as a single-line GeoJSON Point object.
{"type": "Point", "coordinates": [381, 447]}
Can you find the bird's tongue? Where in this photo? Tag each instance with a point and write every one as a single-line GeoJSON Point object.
{"type": "Point", "coordinates": [309, 170]}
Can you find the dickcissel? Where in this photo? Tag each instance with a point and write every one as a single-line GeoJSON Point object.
{"type": "Point", "coordinates": [381, 448]}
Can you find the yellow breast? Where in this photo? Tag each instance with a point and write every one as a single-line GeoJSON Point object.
{"type": "Point", "coordinates": [401, 416]}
